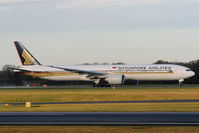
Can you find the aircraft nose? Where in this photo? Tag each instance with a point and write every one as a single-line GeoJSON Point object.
{"type": "Point", "coordinates": [189, 73]}
{"type": "Point", "coordinates": [192, 73]}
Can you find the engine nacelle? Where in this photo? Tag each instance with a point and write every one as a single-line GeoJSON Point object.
{"type": "Point", "coordinates": [115, 79]}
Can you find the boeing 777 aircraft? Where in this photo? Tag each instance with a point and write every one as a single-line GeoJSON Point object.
{"type": "Point", "coordinates": [101, 75]}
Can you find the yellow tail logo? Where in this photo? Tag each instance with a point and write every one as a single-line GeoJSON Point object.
{"type": "Point", "coordinates": [28, 59]}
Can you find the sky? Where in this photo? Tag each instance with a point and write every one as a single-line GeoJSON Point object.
{"type": "Point", "coordinates": [61, 32]}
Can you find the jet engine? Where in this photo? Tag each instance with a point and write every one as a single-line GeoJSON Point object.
{"type": "Point", "coordinates": [115, 79]}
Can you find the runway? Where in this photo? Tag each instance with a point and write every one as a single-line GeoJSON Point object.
{"type": "Point", "coordinates": [106, 102]}
{"type": "Point", "coordinates": [100, 118]}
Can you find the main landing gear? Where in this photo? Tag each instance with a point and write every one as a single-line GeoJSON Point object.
{"type": "Point", "coordinates": [102, 83]}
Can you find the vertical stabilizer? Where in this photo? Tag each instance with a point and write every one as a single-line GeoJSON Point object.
{"type": "Point", "coordinates": [25, 56]}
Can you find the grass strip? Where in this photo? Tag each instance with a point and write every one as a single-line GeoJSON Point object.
{"type": "Point", "coordinates": [97, 129]}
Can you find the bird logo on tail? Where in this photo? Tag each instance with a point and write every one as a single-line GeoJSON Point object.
{"type": "Point", "coordinates": [25, 56]}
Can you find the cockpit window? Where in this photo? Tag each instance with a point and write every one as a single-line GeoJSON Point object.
{"type": "Point", "coordinates": [188, 70]}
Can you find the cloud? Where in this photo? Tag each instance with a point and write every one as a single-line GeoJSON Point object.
{"type": "Point", "coordinates": [101, 3]}
{"type": "Point", "coordinates": [191, 1]}
{"type": "Point", "coordinates": [8, 4]}
{"type": "Point", "coordinates": [98, 3]}
{"type": "Point", "coordinates": [3, 8]}
{"type": "Point", "coordinates": [15, 1]}
{"type": "Point", "coordinates": [11, 4]}
{"type": "Point", "coordinates": [22, 1]}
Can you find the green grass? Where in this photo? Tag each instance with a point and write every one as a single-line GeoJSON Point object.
{"type": "Point", "coordinates": [127, 107]}
{"type": "Point", "coordinates": [97, 129]}
{"type": "Point", "coordinates": [96, 94]}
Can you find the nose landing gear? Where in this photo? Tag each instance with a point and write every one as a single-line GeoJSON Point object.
{"type": "Point", "coordinates": [180, 82]}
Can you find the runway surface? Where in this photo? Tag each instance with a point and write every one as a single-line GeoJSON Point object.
{"type": "Point", "coordinates": [100, 118]}
{"type": "Point", "coordinates": [159, 86]}
{"type": "Point", "coordinates": [106, 102]}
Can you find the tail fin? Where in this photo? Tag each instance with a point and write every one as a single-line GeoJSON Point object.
{"type": "Point", "coordinates": [25, 56]}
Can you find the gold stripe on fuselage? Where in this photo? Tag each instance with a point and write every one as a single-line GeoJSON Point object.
{"type": "Point", "coordinates": [141, 72]}
{"type": "Point", "coordinates": [49, 74]}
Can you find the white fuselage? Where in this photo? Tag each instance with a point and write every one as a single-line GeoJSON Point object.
{"type": "Point", "coordinates": [135, 72]}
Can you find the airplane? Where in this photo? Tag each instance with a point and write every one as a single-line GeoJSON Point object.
{"type": "Point", "coordinates": [100, 75]}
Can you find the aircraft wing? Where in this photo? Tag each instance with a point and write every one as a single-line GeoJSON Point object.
{"type": "Point", "coordinates": [91, 74]}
